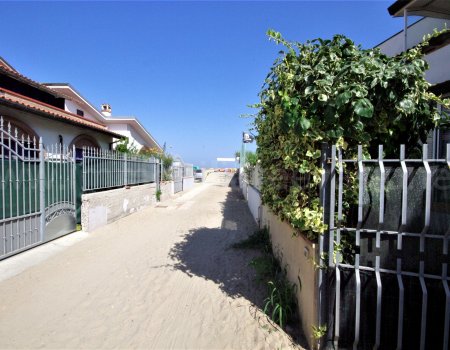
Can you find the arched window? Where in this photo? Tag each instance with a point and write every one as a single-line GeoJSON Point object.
{"type": "Point", "coordinates": [18, 138]}
{"type": "Point", "coordinates": [83, 141]}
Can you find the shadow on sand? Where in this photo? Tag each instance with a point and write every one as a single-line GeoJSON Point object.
{"type": "Point", "coordinates": [207, 253]}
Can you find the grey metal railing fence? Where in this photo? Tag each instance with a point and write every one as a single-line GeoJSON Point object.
{"type": "Point", "coordinates": [109, 169]}
{"type": "Point", "coordinates": [188, 170]}
{"type": "Point", "coordinates": [386, 282]}
{"type": "Point", "coordinates": [255, 177]}
{"type": "Point", "coordinates": [21, 209]}
{"type": "Point", "coordinates": [37, 187]}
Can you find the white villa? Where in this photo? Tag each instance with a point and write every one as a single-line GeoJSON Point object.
{"type": "Point", "coordinates": [61, 115]}
{"type": "Point", "coordinates": [435, 15]}
{"type": "Point", "coordinates": [129, 127]}
{"type": "Point", "coordinates": [38, 111]}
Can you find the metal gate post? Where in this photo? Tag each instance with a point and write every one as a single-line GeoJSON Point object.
{"type": "Point", "coordinates": [74, 176]}
{"type": "Point", "coordinates": [323, 273]}
{"type": "Point", "coordinates": [41, 190]}
{"type": "Point", "coordinates": [157, 172]}
{"type": "Point", "coordinates": [125, 169]}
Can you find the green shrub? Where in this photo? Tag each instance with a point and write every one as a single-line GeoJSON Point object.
{"type": "Point", "coordinates": [334, 91]}
{"type": "Point", "coordinates": [125, 146]}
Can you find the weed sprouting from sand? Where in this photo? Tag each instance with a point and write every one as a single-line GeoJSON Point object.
{"type": "Point", "coordinates": [260, 239]}
{"type": "Point", "coordinates": [280, 303]}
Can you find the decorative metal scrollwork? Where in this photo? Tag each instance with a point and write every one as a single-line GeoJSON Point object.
{"type": "Point", "coordinates": [59, 212]}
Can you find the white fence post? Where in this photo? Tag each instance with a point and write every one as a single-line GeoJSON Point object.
{"type": "Point", "coordinates": [41, 189]}
{"type": "Point", "coordinates": [125, 169]}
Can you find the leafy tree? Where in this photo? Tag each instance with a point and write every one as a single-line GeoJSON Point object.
{"type": "Point", "coordinates": [251, 159]}
{"type": "Point", "coordinates": [167, 162]}
{"type": "Point", "coordinates": [125, 146]}
{"type": "Point", "coordinates": [334, 91]}
{"type": "Point", "coordinates": [151, 152]}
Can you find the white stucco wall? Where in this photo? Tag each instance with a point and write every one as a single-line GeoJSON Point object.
{"type": "Point", "coordinates": [128, 131]}
{"type": "Point", "coordinates": [50, 129]}
{"type": "Point", "coordinates": [394, 45]}
{"type": "Point", "coordinates": [188, 183]}
{"type": "Point", "coordinates": [72, 107]}
{"type": "Point", "coordinates": [439, 60]}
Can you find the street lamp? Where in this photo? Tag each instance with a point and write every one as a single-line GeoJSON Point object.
{"type": "Point", "coordinates": [247, 137]}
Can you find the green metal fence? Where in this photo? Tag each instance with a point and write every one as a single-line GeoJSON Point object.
{"type": "Point", "coordinates": [104, 170]}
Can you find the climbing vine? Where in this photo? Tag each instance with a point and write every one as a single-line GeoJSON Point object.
{"type": "Point", "coordinates": [335, 92]}
{"type": "Point", "coordinates": [250, 163]}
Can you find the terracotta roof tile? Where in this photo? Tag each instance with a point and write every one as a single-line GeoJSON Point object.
{"type": "Point", "coordinates": [23, 78]}
{"type": "Point", "coordinates": [55, 112]}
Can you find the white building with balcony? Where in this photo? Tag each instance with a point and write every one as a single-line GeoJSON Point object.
{"type": "Point", "coordinates": [435, 16]}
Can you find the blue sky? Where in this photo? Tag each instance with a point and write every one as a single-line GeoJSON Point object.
{"type": "Point", "coordinates": [187, 70]}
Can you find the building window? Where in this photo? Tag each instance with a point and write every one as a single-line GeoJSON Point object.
{"type": "Point", "coordinates": [82, 141]}
{"type": "Point", "coordinates": [17, 139]}
{"type": "Point", "coordinates": [80, 113]}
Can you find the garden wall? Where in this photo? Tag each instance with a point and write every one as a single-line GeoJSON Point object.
{"type": "Point", "coordinates": [167, 190]}
{"type": "Point", "coordinates": [101, 208]}
{"type": "Point", "coordinates": [297, 253]}
{"type": "Point", "coordinates": [253, 197]}
{"type": "Point", "coordinates": [188, 183]}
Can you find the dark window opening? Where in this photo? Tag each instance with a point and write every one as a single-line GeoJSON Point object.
{"type": "Point", "coordinates": [24, 89]}
{"type": "Point", "coordinates": [80, 113]}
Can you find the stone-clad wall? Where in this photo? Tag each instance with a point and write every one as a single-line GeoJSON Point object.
{"type": "Point", "coordinates": [101, 208]}
{"type": "Point", "coordinates": [167, 190]}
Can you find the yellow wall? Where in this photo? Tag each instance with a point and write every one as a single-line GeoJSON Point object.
{"type": "Point", "coordinates": [299, 255]}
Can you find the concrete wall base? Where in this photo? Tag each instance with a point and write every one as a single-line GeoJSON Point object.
{"type": "Point", "coordinates": [188, 183]}
{"type": "Point", "coordinates": [101, 208]}
{"type": "Point", "coordinates": [299, 255]}
{"type": "Point", "coordinates": [167, 190]}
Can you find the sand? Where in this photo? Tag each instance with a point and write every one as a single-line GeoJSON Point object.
{"type": "Point", "coordinates": [161, 278]}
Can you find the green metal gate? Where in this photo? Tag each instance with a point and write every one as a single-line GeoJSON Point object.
{"type": "Point", "coordinates": [37, 191]}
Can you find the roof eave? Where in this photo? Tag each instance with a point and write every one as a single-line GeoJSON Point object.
{"type": "Point", "coordinates": [44, 114]}
{"type": "Point", "coordinates": [415, 8]}
{"type": "Point", "coordinates": [76, 92]}
{"type": "Point", "coordinates": [17, 76]}
{"type": "Point", "coordinates": [135, 121]}
{"type": "Point", "coordinates": [398, 7]}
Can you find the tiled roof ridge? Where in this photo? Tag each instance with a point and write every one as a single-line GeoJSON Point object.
{"type": "Point", "coordinates": [49, 106]}
{"type": "Point", "coordinates": [32, 82]}
{"type": "Point", "coordinates": [48, 109]}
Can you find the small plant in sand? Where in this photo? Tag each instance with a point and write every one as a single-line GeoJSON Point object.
{"type": "Point", "coordinates": [280, 303]}
{"type": "Point", "coordinates": [318, 332]}
{"type": "Point", "coordinates": [260, 239]}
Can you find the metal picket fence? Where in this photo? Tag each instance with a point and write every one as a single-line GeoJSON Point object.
{"type": "Point", "coordinates": [109, 169]}
{"type": "Point", "coordinates": [188, 170]}
{"type": "Point", "coordinates": [37, 191]}
{"type": "Point", "coordinates": [385, 282]}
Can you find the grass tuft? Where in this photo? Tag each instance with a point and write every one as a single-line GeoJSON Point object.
{"type": "Point", "coordinates": [260, 239]}
{"type": "Point", "coordinates": [280, 303]}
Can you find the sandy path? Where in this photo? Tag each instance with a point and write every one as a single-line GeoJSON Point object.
{"type": "Point", "coordinates": [162, 278]}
